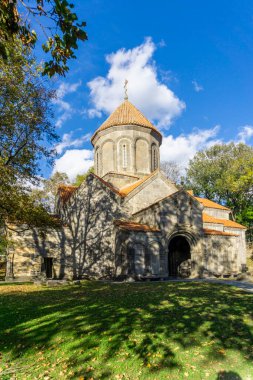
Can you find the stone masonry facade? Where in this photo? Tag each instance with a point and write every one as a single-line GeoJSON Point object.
{"type": "Point", "coordinates": [128, 220]}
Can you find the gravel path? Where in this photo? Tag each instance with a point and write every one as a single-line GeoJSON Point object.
{"type": "Point", "coordinates": [246, 286]}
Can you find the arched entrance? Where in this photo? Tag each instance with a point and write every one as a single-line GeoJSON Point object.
{"type": "Point", "coordinates": [179, 264]}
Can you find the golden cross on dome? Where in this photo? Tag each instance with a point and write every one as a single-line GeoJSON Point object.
{"type": "Point", "coordinates": [125, 87]}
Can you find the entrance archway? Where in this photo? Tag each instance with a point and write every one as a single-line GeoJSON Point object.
{"type": "Point", "coordinates": [179, 256]}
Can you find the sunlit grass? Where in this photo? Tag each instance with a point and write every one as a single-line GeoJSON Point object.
{"type": "Point", "coordinates": [126, 331]}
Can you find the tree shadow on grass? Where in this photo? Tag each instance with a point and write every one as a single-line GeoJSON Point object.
{"type": "Point", "coordinates": [228, 375]}
{"type": "Point", "coordinates": [116, 322]}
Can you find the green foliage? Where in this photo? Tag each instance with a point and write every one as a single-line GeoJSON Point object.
{"type": "Point", "coordinates": [224, 173]}
{"type": "Point", "coordinates": [48, 189]}
{"type": "Point", "coordinates": [26, 134]}
{"type": "Point", "coordinates": [81, 177]}
{"type": "Point", "coordinates": [151, 331]}
{"type": "Point", "coordinates": [26, 131]}
{"type": "Point", "coordinates": [54, 19]}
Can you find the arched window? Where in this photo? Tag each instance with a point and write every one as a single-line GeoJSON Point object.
{"type": "Point", "coordinates": [136, 259]}
{"type": "Point", "coordinates": [154, 158]}
{"type": "Point", "coordinates": [97, 162]}
{"type": "Point", "coordinates": [124, 156]}
{"type": "Point", "coordinates": [155, 257]}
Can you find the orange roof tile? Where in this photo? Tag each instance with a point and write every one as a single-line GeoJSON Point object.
{"type": "Point", "coordinates": [65, 191]}
{"type": "Point", "coordinates": [215, 232]}
{"type": "Point", "coordinates": [207, 203]}
{"type": "Point", "coordinates": [126, 114]}
{"type": "Point", "coordinates": [210, 219]}
{"type": "Point", "coordinates": [226, 222]}
{"type": "Point", "coordinates": [124, 191]}
{"type": "Point", "coordinates": [128, 225]}
{"type": "Point", "coordinates": [231, 223]}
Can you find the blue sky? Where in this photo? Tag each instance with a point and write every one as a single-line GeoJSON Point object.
{"type": "Point", "coordinates": [189, 66]}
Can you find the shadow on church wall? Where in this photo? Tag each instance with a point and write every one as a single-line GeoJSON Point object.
{"type": "Point", "coordinates": [84, 246]}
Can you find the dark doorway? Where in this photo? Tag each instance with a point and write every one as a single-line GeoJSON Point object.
{"type": "Point", "coordinates": [179, 257]}
{"type": "Point", "coordinates": [2, 268]}
{"type": "Point", "coordinates": [48, 262]}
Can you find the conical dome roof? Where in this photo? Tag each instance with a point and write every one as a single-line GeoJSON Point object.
{"type": "Point", "coordinates": [126, 114]}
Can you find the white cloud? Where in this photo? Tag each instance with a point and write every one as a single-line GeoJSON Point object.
{"type": "Point", "coordinates": [64, 108]}
{"type": "Point", "coordinates": [67, 88]}
{"type": "Point", "coordinates": [92, 112]}
{"type": "Point", "coordinates": [152, 97]}
{"type": "Point", "coordinates": [183, 147]}
{"type": "Point", "coordinates": [245, 134]}
{"type": "Point", "coordinates": [197, 87]}
{"type": "Point", "coordinates": [68, 142]}
{"type": "Point", "coordinates": [73, 162]}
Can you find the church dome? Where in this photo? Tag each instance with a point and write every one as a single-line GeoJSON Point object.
{"type": "Point", "coordinates": [126, 114]}
{"type": "Point", "coordinates": [126, 144]}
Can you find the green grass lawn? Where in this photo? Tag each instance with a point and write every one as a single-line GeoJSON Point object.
{"type": "Point", "coordinates": [126, 331]}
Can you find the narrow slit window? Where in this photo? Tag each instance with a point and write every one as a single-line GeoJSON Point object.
{"type": "Point", "coordinates": [97, 163]}
{"type": "Point", "coordinates": [154, 156]}
{"type": "Point", "coordinates": [124, 156]}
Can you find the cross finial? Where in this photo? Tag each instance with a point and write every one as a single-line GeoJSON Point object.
{"type": "Point", "coordinates": [125, 87]}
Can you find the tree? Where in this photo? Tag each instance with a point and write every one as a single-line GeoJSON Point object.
{"type": "Point", "coordinates": [26, 134]}
{"type": "Point", "coordinates": [54, 19]}
{"type": "Point", "coordinates": [224, 174]}
{"type": "Point", "coordinates": [172, 170]}
{"type": "Point", "coordinates": [47, 192]}
{"type": "Point", "coordinates": [81, 177]}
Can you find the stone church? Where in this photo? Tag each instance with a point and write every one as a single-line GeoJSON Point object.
{"type": "Point", "coordinates": [127, 220]}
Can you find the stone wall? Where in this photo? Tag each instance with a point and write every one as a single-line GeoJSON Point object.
{"type": "Point", "coordinates": [217, 213]}
{"type": "Point", "coordinates": [90, 215]}
{"type": "Point", "coordinates": [140, 254]}
{"type": "Point", "coordinates": [177, 210]}
{"type": "Point", "coordinates": [83, 247]}
{"type": "Point", "coordinates": [153, 190]}
{"type": "Point", "coordinates": [126, 149]}
{"type": "Point", "coordinates": [241, 244]}
{"type": "Point", "coordinates": [221, 255]}
{"type": "Point", "coordinates": [120, 180]}
{"type": "Point", "coordinates": [29, 248]}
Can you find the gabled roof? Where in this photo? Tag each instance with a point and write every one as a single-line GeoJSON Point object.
{"type": "Point", "coordinates": [126, 114]}
{"type": "Point", "coordinates": [65, 191]}
{"type": "Point", "coordinates": [107, 184]}
{"type": "Point", "coordinates": [133, 226]}
{"type": "Point", "coordinates": [225, 222]}
{"type": "Point", "coordinates": [164, 198]}
{"type": "Point", "coordinates": [207, 203]}
{"type": "Point", "coordinates": [124, 191]}
{"type": "Point", "coordinates": [210, 219]}
{"type": "Point", "coordinates": [207, 231]}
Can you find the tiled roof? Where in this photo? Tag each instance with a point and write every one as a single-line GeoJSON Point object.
{"type": "Point", "coordinates": [225, 222]}
{"type": "Point", "coordinates": [106, 184]}
{"type": "Point", "coordinates": [231, 223]}
{"type": "Point", "coordinates": [65, 191]}
{"type": "Point", "coordinates": [207, 203]}
{"type": "Point", "coordinates": [126, 114]}
{"type": "Point", "coordinates": [128, 225]}
{"type": "Point", "coordinates": [210, 219]}
{"type": "Point", "coordinates": [215, 232]}
{"type": "Point", "coordinates": [124, 191]}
